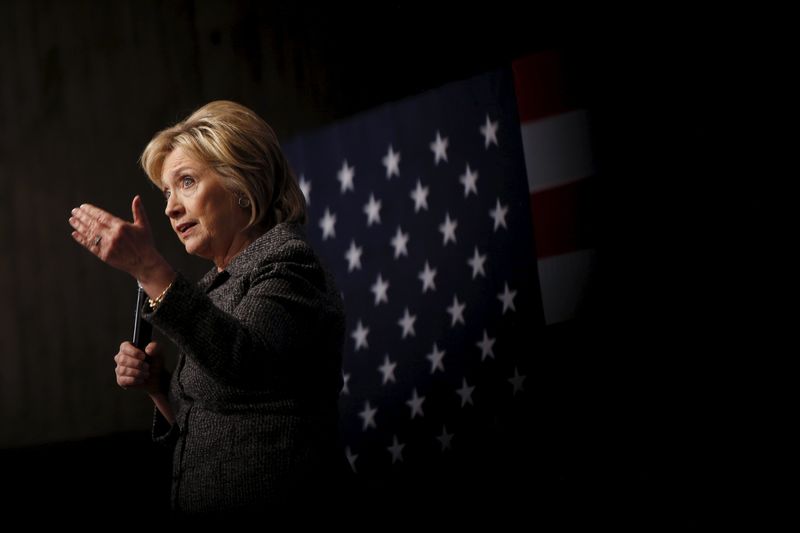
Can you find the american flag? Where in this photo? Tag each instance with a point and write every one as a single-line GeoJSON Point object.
{"type": "Point", "coordinates": [421, 209]}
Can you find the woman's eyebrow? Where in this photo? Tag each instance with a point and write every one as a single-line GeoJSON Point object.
{"type": "Point", "coordinates": [178, 172]}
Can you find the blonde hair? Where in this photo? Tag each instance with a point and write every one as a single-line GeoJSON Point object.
{"type": "Point", "coordinates": [242, 148]}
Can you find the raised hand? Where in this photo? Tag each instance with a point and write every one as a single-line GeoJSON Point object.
{"type": "Point", "coordinates": [127, 246]}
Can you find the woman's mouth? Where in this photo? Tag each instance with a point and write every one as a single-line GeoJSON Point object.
{"type": "Point", "coordinates": [185, 228]}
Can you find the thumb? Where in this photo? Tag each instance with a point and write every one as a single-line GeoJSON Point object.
{"type": "Point", "coordinates": [153, 349]}
{"type": "Point", "coordinates": [139, 214]}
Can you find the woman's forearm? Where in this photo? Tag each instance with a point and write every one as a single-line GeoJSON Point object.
{"type": "Point", "coordinates": [229, 347]}
{"type": "Point", "coordinates": [161, 402]}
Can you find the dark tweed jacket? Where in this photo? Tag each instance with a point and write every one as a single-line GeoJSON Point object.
{"type": "Point", "coordinates": [256, 386]}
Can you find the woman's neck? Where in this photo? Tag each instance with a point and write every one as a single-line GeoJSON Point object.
{"type": "Point", "coordinates": [240, 242]}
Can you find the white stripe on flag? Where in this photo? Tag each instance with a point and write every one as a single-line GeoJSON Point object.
{"type": "Point", "coordinates": [558, 150]}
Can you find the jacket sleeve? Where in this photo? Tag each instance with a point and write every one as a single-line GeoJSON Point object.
{"type": "Point", "coordinates": [283, 303]}
{"type": "Point", "coordinates": [163, 432]}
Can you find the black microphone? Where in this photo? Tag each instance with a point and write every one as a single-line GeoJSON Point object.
{"type": "Point", "coordinates": [142, 329]}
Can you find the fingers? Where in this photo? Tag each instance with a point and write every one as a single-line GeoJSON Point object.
{"type": "Point", "coordinates": [132, 369]}
{"type": "Point", "coordinates": [83, 232]}
{"type": "Point", "coordinates": [136, 373]}
{"type": "Point", "coordinates": [127, 382]}
{"type": "Point", "coordinates": [81, 239]}
{"type": "Point", "coordinates": [77, 223]}
{"type": "Point", "coordinates": [129, 349]}
{"type": "Point", "coordinates": [139, 214]}
{"type": "Point", "coordinates": [128, 377]}
{"type": "Point", "coordinates": [90, 225]}
{"type": "Point", "coordinates": [96, 214]}
{"type": "Point", "coordinates": [93, 219]}
{"type": "Point", "coordinates": [131, 363]}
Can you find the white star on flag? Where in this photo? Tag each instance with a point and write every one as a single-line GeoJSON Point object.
{"type": "Point", "coordinates": [516, 381]}
{"type": "Point", "coordinates": [415, 403]}
{"type": "Point", "coordinates": [507, 297]}
{"type": "Point", "coordinates": [379, 289]}
{"type": "Point", "coordinates": [420, 197]}
{"type": "Point", "coordinates": [407, 323]}
{"type": "Point", "coordinates": [368, 416]}
{"type": "Point", "coordinates": [439, 148]}
{"type": "Point", "coordinates": [444, 438]}
{"type": "Point", "coordinates": [486, 346]}
{"type": "Point", "coordinates": [396, 449]}
{"type": "Point", "coordinates": [469, 180]}
{"type": "Point", "coordinates": [489, 131]}
{"type": "Point", "coordinates": [345, 177]}
{"type": "Point", "coordinates": [305, 187]}
{"type": "Point", "coordinates": [499, 215]}
{"type": "Point", "coordinates": [345, 379]}
{"type": "Point", "coordinates": [353, 256]}
{"type": "Point", "coordinates": [351, 458]}
{"type": "Point", "coordinates": [400, 243]}
{"type": "Point", "coordinates": [373, 210]}
{"type": "Point", "coordinates": [448, 229]}
{"type": "Point", "coordinates": [328, 223]}
{"type": "Point", "coordinates": [427, 276]}
{"type": "Point", "coordinates": [476, 263]}
{"type": "Point", "coordinates": [387, 369]}
{"type": "Point", "coordinates": [360, 336]}
{"type": "Point", "coordinates": [456, 311]}
{"type": "Point", "coordinates": [435, 357]}
{"type": "Point", "coordinates": [392, 163]}
{"type": "Point", "coordinates": [466, 393]}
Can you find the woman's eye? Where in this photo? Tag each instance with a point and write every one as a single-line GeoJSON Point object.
{"type": "Point", "coordinates": [187, 181]}
{"type": "Point", "coordinates": [166, 194]}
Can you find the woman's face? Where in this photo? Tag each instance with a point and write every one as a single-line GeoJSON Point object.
{"type": "Point", "coordinates": [204, 214]}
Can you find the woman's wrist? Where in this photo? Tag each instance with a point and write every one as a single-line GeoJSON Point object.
{"type": "Point", "coordinates": [161, 401]}
{"type": "Point", "coordinates": [156, 278]}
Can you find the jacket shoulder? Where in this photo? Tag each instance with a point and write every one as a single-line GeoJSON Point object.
{"type": "Point", "coordinates": [284, 244]}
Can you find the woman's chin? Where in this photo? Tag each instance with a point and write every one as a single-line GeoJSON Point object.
{"type": "Point", "coordinates": [192, 247]}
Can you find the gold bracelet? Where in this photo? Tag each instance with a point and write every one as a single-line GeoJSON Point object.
{"type": "Point", "coordinates": [153, 303]}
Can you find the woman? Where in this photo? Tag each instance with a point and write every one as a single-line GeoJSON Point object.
{"type": "Point", "coordinates": [251, 408]}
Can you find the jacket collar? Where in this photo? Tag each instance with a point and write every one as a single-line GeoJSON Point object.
{"type": "Point", "coordinates": [243, 262]}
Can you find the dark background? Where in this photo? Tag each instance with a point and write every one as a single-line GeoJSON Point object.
{"type": "Point", "coordinates": [640, 407]}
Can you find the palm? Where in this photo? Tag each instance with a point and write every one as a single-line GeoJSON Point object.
{"type": "Point", "coordinates": [127, 246]}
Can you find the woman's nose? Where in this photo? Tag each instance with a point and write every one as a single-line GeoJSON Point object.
{"type": "Point", "coordinates": [174, 207]}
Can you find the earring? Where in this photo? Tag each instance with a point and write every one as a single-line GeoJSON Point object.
{"type": "Point", "coordinates": [244, 203]}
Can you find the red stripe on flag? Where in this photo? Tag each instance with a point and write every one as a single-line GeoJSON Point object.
{"type": "Point", "coordinates": [562, 220]}
{"type": "Point", "coordinates": [539, 85]}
